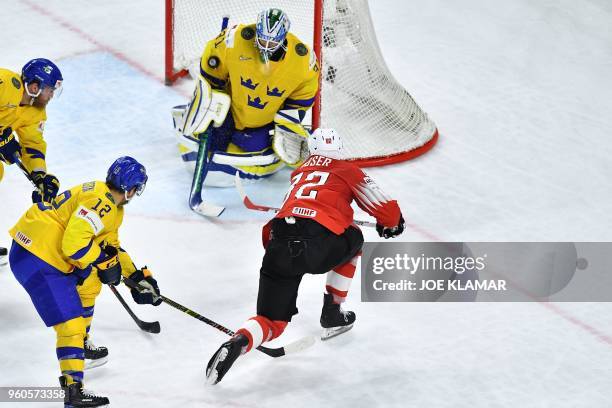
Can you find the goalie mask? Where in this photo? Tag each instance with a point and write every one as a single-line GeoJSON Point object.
{"type": "Point", "coordinates": [325, 142]}
{"type": "Point", "coordinates": [271, 31]}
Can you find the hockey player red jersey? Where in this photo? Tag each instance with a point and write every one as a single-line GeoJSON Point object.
{"type": "Point", "coordinates": [324, 188]}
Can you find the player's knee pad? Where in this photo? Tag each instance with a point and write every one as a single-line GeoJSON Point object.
{"type": "Point", "coordinates": [70, 328]}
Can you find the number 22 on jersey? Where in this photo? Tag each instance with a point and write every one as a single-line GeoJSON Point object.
{"type": "Point", "coordinates": [310, 183]}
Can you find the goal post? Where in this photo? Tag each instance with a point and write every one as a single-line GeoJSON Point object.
{"type": "Point", "coordinates": [379, 120]}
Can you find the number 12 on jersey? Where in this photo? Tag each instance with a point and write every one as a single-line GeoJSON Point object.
{"type": "Point", "coordinates": [321, 177]}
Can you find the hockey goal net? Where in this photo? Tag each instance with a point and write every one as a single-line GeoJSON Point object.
{"type": "Point", "coordinates": [379, 121]}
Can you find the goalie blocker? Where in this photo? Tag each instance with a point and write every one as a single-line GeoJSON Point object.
{"type": "Point", "coordinates": [313, 233]}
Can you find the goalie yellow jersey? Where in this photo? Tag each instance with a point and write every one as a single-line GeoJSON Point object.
{"type": "Point", "coordinates": [28, 121]}
{"type": "Point", "coordinates": [259, 89]}
{"type": "Point", "coordinates": [67, 232]}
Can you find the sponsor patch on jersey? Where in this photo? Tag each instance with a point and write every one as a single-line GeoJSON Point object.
{"type": "Point", "coordinates": [370, 183]}
{"type": "Point", "coordinates": [23, 238]}
{"type": "Point", "coordinates": [213, 62]}
{"type": "Point", "coordinates": [304, 212]}
{"type": "Point", "coordinates": [301, 49]}
{"type": "Point", "coordinates": [110, 197]}
{"type": "Point", "coordinates": [91, 217]}
{"type": "Point", "coordinates": [248, 33]}
{"type": "Point", "coordinates": [16, 83]}
{"type": "Point", "coordinates": [88, 186]}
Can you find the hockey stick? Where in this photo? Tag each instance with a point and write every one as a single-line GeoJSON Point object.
{"type": "Point", "coordinates": [149, 327]}
{"type": "Point", "coordinates": [252, 206]}
{"type": "Point", "coordinates": [290, 348]}
{"type": "Point", "coordinates": [25, 171]}
{"type": "Point", "coordinates": [201, 169]}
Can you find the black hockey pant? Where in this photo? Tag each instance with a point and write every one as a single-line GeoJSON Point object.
{"type": "Point", "coordinates": [294, 250]}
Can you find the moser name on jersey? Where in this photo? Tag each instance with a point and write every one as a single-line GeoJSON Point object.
{"type": "Point", "coordinates": [304, 212]}
{"type": "Point", "coordinates": [317, 161]}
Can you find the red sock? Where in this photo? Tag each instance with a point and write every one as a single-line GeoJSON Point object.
{"type": "Point", "coordinates": [339, 279]}
{"type": "Point", "coordinates": [260, 329]}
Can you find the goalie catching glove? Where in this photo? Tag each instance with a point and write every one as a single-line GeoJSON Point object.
{"type": "Point", "coordinates": [289, 140]}
{"type": "Point", "coordinates": [149, 294]}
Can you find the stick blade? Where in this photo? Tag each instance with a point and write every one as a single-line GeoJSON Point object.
{"type": "Point", "coordinates": [246, 200]}
{"type": "Point", "coordinates": [300, 345]}
{"type": "Point", "coordinates": [206, 209]}
{"type": "Point", "coordinates": [150, 327]}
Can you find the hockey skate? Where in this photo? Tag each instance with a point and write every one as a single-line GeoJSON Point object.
{"type": "Point", "coordinates": [94, 356]}
{"type": "Point", "coordinates": [224, 358]}
{"type": "Point", "coordinates": [76, 397]}
{"type": "Point", "coordinates": [3, 256]}
{"type": "Point", "coordinates": [334, 320]}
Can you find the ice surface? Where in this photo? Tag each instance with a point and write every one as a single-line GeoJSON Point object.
{"type": "Point", "coordinates": [520, 93]}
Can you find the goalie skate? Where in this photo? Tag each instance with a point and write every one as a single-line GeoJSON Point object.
{"type": "Point", "coordinates": [334, 320]}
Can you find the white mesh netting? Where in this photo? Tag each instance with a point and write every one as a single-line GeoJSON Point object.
{"type": "Point", "coordinates": [360, 98]}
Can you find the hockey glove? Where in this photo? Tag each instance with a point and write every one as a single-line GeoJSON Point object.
{"type": "Point", "coordinates": [387, 232]}
{"type": "Point", "coordinates": [108, 265]}
{"type": "Point", "coordinates": [9, 146]}
{"type": "Point", "coordinates": [48, 186]}
{"type": "Point", "coordinates": [150, 295]}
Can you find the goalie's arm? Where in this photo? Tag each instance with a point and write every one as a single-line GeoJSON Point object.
{"type": "Point", "coordinates": [213, 67]}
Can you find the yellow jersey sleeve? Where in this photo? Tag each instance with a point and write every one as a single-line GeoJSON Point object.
{"type": "Point", "coordinates": [11, 92]}
{"type": "Point", "coordinates": [30, 127]}
{"type": "Point", "coordinates": [93, 218]}
{"type": "Point", "coordinates": [303, 96]}
{"type": "Point", "coordinates": [213, 65]}
{"type": "Point", "coordinates": [112, 238]}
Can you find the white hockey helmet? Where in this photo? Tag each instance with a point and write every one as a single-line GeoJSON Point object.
{"type": "Point", "coordinates": [325, 142]}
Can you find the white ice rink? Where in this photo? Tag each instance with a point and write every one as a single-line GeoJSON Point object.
{"type": "Point", "coordinates": [521, 93]}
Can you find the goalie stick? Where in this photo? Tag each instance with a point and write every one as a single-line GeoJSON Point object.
{"type": "Point", "coordinates": [290, 348]}
{"type": "Point", "coordinates": [257, 207]}
{"type": "Point", "coordinates": [201, 169]}
{"type": "Point", "coordinates": [149, 327]}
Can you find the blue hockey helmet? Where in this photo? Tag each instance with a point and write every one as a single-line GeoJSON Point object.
{"type": "Point", "coordinates": [42, 72]}
{"type": "Point", "coordinates": [271, 31]}
{"type": "Point", "coordinates": [126, 173]}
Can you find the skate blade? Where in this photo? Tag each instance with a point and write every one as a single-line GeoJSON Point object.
{"type": "Point", "coordinates": [89, 364]}
{"type": "Point", "coordinates": [332, 332]}
{"type": "Point", "coordinates": [213, 374]}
